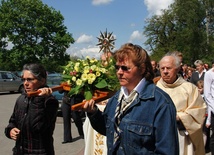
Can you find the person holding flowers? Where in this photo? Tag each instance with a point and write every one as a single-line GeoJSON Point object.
{"type": "Point", "coordinates": [140, 118]}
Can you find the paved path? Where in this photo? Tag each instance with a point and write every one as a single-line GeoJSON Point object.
{"type": "Point", "coordinates": [74, 148]}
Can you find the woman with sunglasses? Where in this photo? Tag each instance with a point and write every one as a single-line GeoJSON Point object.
{"type": "Point", "coordinates": [33, 119]}
{"type": "Point", "coordinates": [140, 118]}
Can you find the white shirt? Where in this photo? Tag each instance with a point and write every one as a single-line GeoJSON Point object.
{"type": "Point", "coordinates": [137, 88]}
{"type": "Point", "coordinates": [209, 92]}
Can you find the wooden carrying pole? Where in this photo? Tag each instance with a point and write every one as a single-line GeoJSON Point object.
{"type": "Point", "coordinates": [98, 97]}
{"type": "Point", "coordinates": [63, 86]}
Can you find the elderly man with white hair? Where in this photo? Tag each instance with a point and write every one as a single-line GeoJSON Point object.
{"type": "Point", "coordinates": [189, 104]}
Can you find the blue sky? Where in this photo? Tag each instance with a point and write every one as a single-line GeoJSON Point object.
{"type": "Point", "coordinates": [85, 19]}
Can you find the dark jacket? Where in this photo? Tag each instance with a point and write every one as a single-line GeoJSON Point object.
{"type": "Point", "coordinates": [148, 125]}
{"type": "Point", "coordinates": [195, 77]}
{"type": "Point", "coordinates": [35, 117]}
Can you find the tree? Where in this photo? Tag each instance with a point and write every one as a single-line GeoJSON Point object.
{"type": "Point", "coordinates": [36, 34]}
{"type": "Point", "coordinates": [160, 32]}
{"type": "Point", "coordinates": [182, 27]}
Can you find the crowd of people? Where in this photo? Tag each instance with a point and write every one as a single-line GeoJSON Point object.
{"type": "Point", "coordinates": [195, 74]}
{"type": "Point", "coordinates": [164, 107]}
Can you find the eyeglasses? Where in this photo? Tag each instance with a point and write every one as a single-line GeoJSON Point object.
{"type": "Point", "coordinates": [28, 79]}
{"type": "Point", "coordinates": [124, 68]}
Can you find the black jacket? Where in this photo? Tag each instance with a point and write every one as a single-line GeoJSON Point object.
{"type": "Point", "coordinates": [35, 117]}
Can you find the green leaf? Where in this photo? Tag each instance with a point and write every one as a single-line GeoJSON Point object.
{"type": "Point", "coordinates": [74, 90]}
{"type": "Point", "coordinates": [88, 95]}
{"type": "Point", "coordinates": [101, 84]}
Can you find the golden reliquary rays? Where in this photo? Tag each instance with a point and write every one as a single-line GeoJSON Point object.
{"type": "Point", "coordinates": [106, 41]}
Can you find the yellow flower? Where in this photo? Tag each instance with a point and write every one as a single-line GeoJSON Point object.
{"type": "Point", "coordinates": [91, 78]}
{"type": "Point", "coordinates": [74, 78]}
{"type": "Point", "coordinates": [76, 67]}
{"type": "Point", "coordinates": [86, 69]}
{"type": "Point", "coordinates": [97, 69]}
{"type": "Point", "coordinates": [79, 82]}
{"type": "Point", "coordinates": [84, 63]}
{"type": "Point", "coordinates": [98, 73]}
{"type": "Point", "coordinates": [103, 70]}
{"type": "Point", "coordinates": [93, 67]}
{"type": "Point", "coordinates": [93, 60]}
{"type": "Point", "coordinates": [69, 82]}
{"type": "Point", "coordinates": [84, 77]}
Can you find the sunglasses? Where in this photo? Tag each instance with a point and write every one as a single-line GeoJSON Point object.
{"type": "Point", "coordinates": [28, 79]}
{"type": "Point", "coordinates": [124, 68]}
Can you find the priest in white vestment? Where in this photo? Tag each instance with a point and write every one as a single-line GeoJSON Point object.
{"type": "Point", "coordinates": [95, 143]}
{"type": "Point", "coordinates": [189, 104]}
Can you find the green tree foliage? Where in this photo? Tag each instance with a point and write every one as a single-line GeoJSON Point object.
{"type": "Point", "coordinates": [182, 27]}
{"type": "Point", "coordinates": [32, 32]}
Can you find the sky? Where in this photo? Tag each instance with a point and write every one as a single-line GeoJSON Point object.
{"type": "Point", "coordinates": [85, 19]}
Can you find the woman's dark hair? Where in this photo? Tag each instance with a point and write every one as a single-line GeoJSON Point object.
{"type": "Point", "coordinates": [139, 57]}
{"type": "Point", "coordinates": [36, 69]}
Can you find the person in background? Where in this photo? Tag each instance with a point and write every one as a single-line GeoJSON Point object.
{"type": "Point", "coordinates": [200, 85]}
{"type": "Point", "coordinates": [140, 118]}
{"type": "Point", "coordinates": [199, 73]}
{"type": "Point", "coordinates": [189, 72]}
{"type": "Point", "coordinates": [32, 122]}
{"type": "Point", "coordinates": [180, 56]}
{"type": "Point", "coordinates": [155, 68]}
{"type": "Point", "coordinates": [67, 113]}
{"type": "Point", "coordinates": [206, 66]}
{"type": "Point", "coordinates": [209, 98]}
{"type": "Point", "coordinates": [184, 71]}
{"type": "Point", "coordinates": [188, 102]}
{"type": "Point", "coordinates": [206, 130]}
{"type": "Point", "coordinates": [105, 57]}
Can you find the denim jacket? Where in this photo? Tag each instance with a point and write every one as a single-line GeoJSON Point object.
{"type": "Point", "coordinates": [148, 125]}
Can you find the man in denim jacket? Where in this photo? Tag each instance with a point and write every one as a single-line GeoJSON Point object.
{"type": "Point", "coordinates": [147, 122]}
